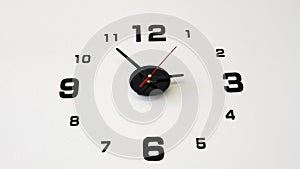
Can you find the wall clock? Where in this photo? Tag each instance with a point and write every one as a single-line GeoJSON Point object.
{"type": "Point", "coordinates": [142, 83]}
{"type": "Point", "coordinates": [149, 84]}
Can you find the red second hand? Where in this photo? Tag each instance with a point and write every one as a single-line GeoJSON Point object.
{"type": "Point", "coordinates": [148, 77]}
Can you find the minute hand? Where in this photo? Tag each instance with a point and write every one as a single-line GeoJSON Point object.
{"type": "Point", "coordinates": [128, 58]}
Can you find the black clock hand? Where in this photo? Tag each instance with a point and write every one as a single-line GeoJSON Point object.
{"type": "Point", "coordinates": [169, 76]}
{"type": "Point", "coordinates": [176, 75]}
{"type": "Point", "coordinates": [164, 77]}
{"type": "Point", "coordinates": [128, 58]}
{"type": "Point", "coordinates": [137, 66]}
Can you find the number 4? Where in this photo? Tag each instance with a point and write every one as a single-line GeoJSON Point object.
{"type": "Point", "coordinates": [230, 115]}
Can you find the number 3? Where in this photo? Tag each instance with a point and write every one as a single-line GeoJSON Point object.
{"type": "Point", "coordinates": [237, 82]}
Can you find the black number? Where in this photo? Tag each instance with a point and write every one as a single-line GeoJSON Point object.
{"type": "Point", "coordinates": [230, 115]}
{"type": "Point", "coordinates": [154, 36]}
{"type": "Point", "coordinates": [107, 37]}
{"type": "Point", "coordinates": [200, 143]}
{"type": "Point", "coordinates": [158, 149]}
{"type": "Point", "coordinates": [138, 36]}
{"type": "Point", "coordinates": [116, 37]}
{"type": "Point", "coordinates": [188, 33]}
{"type": "Point", "coordinates": [220, 52]}
{"type": "Point", "coordinates": [237, 82]}
{"type": "Point", "coordinates": [84, 59]}
{"type": "Point", "coordinates": [162, 31]}
{"type": "Point", "coordinates": [70, 85]}
{"type": "Point", "coordinates": [74, 121]}
{"type": "Point", "coordinates": [107, 144]}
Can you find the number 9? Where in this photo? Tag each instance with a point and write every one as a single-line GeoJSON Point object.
{"type": "Point", "coordinates": [72, 88]}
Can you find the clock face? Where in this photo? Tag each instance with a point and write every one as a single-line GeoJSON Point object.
{"type": "Point", "coordinates": [144, 82]}
{"type": "Point", "coordinates": [149, 84]}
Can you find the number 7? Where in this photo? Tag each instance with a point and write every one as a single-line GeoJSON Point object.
{"type": "Point", "coordinates": [106, 146]}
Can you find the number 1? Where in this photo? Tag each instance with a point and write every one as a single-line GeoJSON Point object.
{"type": "Point", "coordinates": [188, 33]}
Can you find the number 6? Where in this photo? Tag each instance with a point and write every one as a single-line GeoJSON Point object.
{"type": "Point", "coordinates": [147, 149]}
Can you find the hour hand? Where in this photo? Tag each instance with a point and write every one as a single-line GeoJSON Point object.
{"type": "Point", "coordinates": [128, 58]}
{"type": "Point", "coordinates": [170, 76]}
{"type": "Point", "coordinates": [176, 75]}
{"type": "Point", "coordinates": [162, 78]}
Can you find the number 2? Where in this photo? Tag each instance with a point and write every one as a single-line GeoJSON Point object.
{"type": "Point", "coordinates": [220, 52]}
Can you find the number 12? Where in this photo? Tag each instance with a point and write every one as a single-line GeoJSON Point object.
{"type": "Point", "coordinates": [154, 36]}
